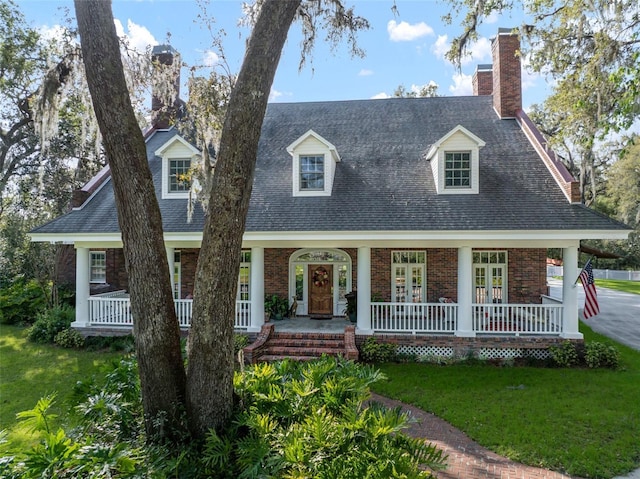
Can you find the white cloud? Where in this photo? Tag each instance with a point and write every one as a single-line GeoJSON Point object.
{"type": "Point", "coordinates": [51, 33]}
{"type": "Point", "coordinates": [441, 46]}
{"type": "Point", "coordinates": [478, 51]}
{"type": "Point", "coordinates": [210, 58]}
{"type": "Point", "coordinates": [405, 32]}
{"type": "Point", "coordinates": [365, 73]}
{"type": "Point", "coordinates": [462, 85]}
{"type": "Point", "coordinates": [380, 96]}
{"type": "Point", "coordinates": [138, 36]}
{"type": "Point", "coordinates": [276, 94]}
{"type": "Point", "coordinates": [493, 18]}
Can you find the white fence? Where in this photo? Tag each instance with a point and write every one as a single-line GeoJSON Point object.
{"type": "Point", "coordinates": [518, 318]}
{"type": "Point", "coordinates": [414, 317]}
{"type": "Point", "coordinates": [599, 273]}
{"type": "Point", "coordinates": [114, 309]}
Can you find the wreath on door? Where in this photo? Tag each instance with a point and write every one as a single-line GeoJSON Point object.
{"type": "Point", "coordinates": [320, 277]}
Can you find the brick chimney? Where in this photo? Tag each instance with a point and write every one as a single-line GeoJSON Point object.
{"type": "Point", "coordinates": [483, 80]}
{"type": "Point", "coordinates": [165, 96]}
{"type": "Point", "coordinates": [507, 79]}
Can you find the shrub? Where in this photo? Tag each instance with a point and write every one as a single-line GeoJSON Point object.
{"type": "Point", "coordinates": [21, 302]}
{"type": "Point", "coordinates": [69, 338]}
{"type": "Point", "coordinates": [239, 341]}
{"type": "Point", "coordinates": [374, 352]}
{"type": "Point", "coordinates": [565, 355]}
{"type": "Point", "coordinates": [125, 344]}
{"type": "Point", "coordinates": [600, 355]}
{"type": "Point", "coordinates": [50, 323]}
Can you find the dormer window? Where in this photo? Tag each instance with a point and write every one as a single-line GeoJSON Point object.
{"type": "Point", "coordinates": [455, 162]}
{"type": "Point", "coordinates": [457, 169]}
{"type": "Point", "coordinates": [313, 166]}
{"type": "Point", "coordinates": [178, 157]}
{"type": "Point", "coordinates": [179, 175]}
{"type": "Point", "coordinates": [312, 173]}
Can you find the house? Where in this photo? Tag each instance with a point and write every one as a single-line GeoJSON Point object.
{"type": "Point", "coordinates": [437, 212]}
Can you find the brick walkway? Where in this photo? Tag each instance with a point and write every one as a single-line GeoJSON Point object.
{"type": "Point", "coordinates": [467, 459]}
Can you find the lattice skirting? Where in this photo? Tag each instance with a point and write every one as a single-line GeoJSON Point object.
{"type": "Point", "coordinates": [427, 351]}
{"type": "Point", "coordinates": [511, 353]}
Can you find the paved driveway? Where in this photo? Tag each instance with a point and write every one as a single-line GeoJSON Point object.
{"type": "Point", "coordinates": [619, 316]}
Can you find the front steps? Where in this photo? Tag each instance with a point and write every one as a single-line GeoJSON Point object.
{"type": "Point", "coordinates": [273, 346]}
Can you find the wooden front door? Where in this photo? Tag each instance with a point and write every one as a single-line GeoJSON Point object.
{"type": "Point", "coordinates": [320, 290]}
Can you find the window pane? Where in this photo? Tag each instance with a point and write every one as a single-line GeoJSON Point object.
{"type": "Point", "coordinates": [457, 169]}
{"type": "Point", "coordinates": [179, 177]}
{"type": "Point", "coordinates": [299, 282]}
{"type": "Point", "coordinates": [342, 281]}
{"type": "Point", "coordinates": [98, 267]}
{"type": "Point", "coordinates": [401, 284]}
{"type": "Point", "coordinates": [312, 172]}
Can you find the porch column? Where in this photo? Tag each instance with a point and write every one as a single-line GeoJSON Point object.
{"type": "Point", "coordinates": [570, 293]}
{"type": "Point", "coordinates": [82, 288]}
{"type": "Point", "coordinates": [364, 290]}
{"type": "Point", "coordinates": [465, 292]}
{"type": "Point", "coordinates": [257, 288]}
{"type": "Point", "coordinates": [171, 260]}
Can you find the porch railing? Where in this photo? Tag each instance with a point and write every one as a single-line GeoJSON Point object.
{"type": "Point", "coordinates": [512, 319]}
{"type": "Point", "coordinates": [518, 318]}
{"type": "Point", "coordinates": [114, 309]}
{"type": "Point", "coordinates": [414, 317]}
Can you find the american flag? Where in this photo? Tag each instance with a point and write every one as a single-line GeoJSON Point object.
{"type": "Point", "coordinates": [591, 307]}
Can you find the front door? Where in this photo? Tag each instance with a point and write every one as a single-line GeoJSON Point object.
{"type": "Point", "coordinates": [489, 284]}
{"type": "Point", "coordinates": [320, 290]}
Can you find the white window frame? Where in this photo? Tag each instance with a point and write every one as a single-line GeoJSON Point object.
{"type": "Point", "coordinates": [182, 189]}
{"type": "Point", "coordinates": [408, 266]}
{"type": "Point", "coordinates": [94, 256]}
{"type": "Point", "coordinates": [302, 172]}
{"type": "Point", "coordinates": [177, 274]}
{"type": "Point", "coordinates": [453, 169]}
{"type": "Point", "coordinates": [245, 262]}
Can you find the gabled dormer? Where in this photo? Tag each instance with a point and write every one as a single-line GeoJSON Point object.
{"type": "Point", "coordinates": [313, 165]}
{"type": "Point", "coordinates": [455, 162]}
{"type": "Point", "coordinates": [178, 157]}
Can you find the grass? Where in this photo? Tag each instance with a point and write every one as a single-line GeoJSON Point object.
{"type": "Point", "coordinates": [29, 371]}
{"type": "Point", "coordinates": [620, 285]}
{"type": "Point", "coordinates": [578, 421]}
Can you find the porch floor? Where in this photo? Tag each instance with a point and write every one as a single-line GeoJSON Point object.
{"type": "Point", "coordinates": [307, 325]}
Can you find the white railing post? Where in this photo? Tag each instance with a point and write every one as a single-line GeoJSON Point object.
{"type": "Point", "coordinates": [465, 290]}
{"type": "Point", "coordinates": [364, 290]}
{"type": "Point", "coordinates": [570, 293]}
{"type": "Point", "coordinates": [256, 288]}
{"type": "Point", "coordinates": [82, 288]}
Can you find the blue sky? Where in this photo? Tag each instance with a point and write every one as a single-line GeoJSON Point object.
{"type": "Point", "coordinates": [406, 48]}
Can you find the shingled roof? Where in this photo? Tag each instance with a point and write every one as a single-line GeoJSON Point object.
{"type": "Point", "coordinates": [384, 182]}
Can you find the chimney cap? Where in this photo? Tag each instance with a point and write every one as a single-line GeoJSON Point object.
{"type": "Point", "coordinates": [162, 49]}
{"type": "Point", "coordinates": [507, 31]}
{"type": "Point", "coordinates": [484, 67]}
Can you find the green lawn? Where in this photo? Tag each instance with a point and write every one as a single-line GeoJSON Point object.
{"type": "Point", "coordinates": [620, 285]}
{"type": "Point", "coordinates": [29, 371]}
{"type": "Point", "coordinates": [579, 421]}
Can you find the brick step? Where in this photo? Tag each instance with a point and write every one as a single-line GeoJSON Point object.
{"type": "Point", "coordinates": [274, 357]}
{"type": "Point", "coordinates": [310, 343]}
{"type": "Point", "coordinates": [302, 336]}
{"type": "Point", "coordinates": [302, 351]}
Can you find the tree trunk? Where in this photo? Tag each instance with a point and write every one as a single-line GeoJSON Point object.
{"type": "Point", "coordinates": [210, 369]}
{"type": "Point", "coordinates": [156, 329]}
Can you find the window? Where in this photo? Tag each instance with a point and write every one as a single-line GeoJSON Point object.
{"type": "Point", "coordinates": [177, 274]}
{"type": "Point", "coordinates": [98, 267]}
{"type": "Point", "coordinates": [244, 277]}
{"type": "Point", "coordinates": [408, 276]}
{"type": "Point", "coordinates": [179, 177]}
{"type": "Point", "coordinates": [312, 172]}
{"type": "Point", "coordinates": [490, 276]}
{"type": "Point", "coordinates": [457, 170]}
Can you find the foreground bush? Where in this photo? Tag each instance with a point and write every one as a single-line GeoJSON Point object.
{"type": "Point", "coordinates": [292, 420]}
{"type": "Point", "coordinates": [51, 322]}
{"type": "Point", "coordinates": [21, 302]}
